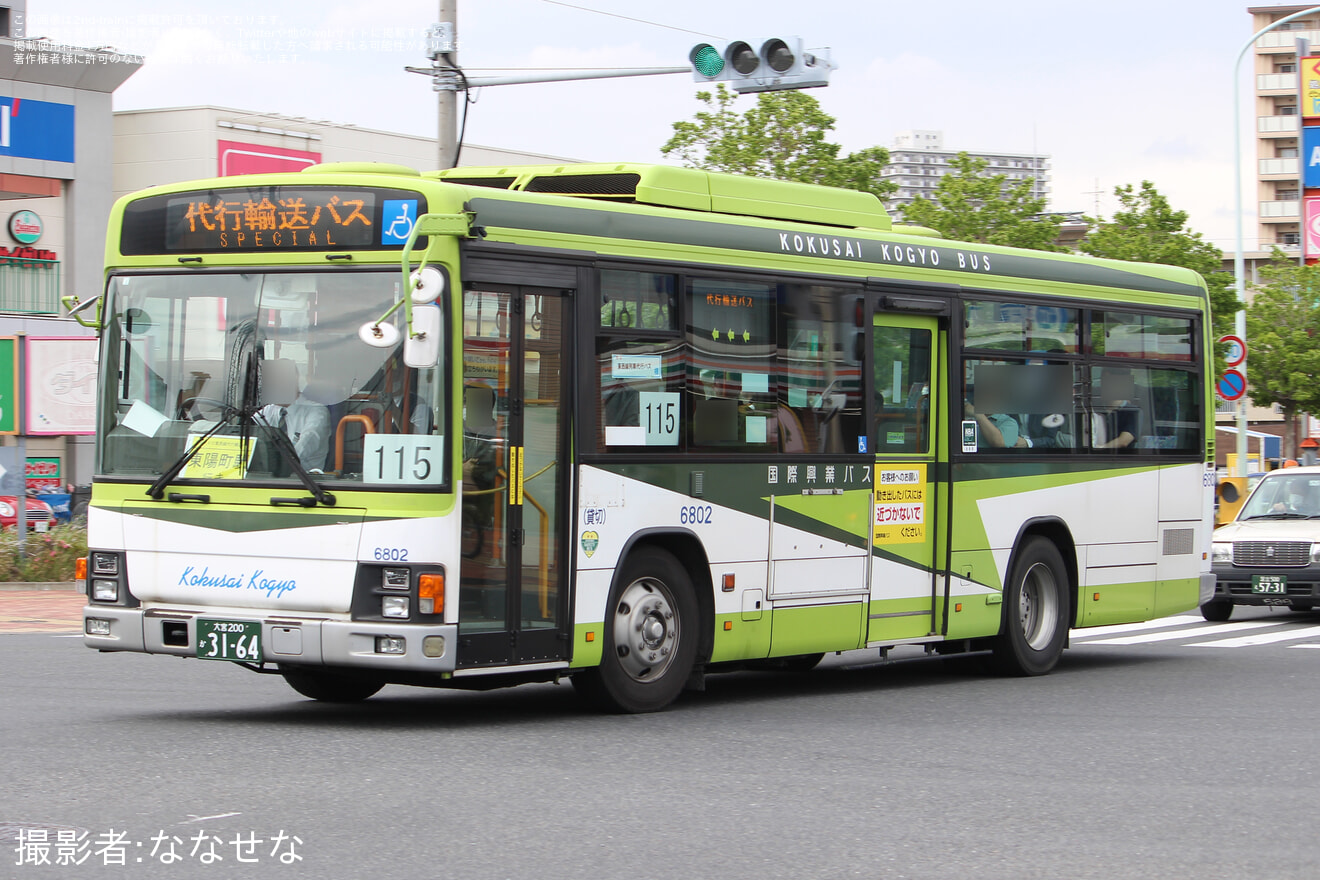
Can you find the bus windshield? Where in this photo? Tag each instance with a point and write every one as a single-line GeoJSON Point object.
{"type": "Point", "coordinates": [223, 360]}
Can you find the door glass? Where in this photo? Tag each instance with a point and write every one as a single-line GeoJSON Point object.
{"type": "Point", "coordinates": [902, 390]}
{"type": "Point", "coordinates": [541, 473]}
{"type": "Point", "coordinates": [486, 425]}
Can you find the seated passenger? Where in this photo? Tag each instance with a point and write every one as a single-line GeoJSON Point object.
{"type": "Point", "coordinates": [1116, 421]}
{"type": "Point", "coordinates": [997, 430]}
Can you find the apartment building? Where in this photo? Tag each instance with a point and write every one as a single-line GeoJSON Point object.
{"type": "Point", "coordinates": [918, 159]}
{"type": "Point", "coordinates": [1278, 126]}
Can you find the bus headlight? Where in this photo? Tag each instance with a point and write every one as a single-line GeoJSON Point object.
{"type": "Point", "coordinates": [1222, 551]}
{"type": "Point", "coordinates": [105, 590]}
{"type": "Point", "coordinates": [105, 563]}
{"type": "Point", "coordinates": [394, 606]}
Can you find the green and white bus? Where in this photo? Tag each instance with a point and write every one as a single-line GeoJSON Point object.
{"type": "Point", "coordinates": [626, 424]}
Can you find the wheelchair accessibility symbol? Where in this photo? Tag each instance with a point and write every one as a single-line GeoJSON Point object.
{"type": "Point", "coordinates": [398, 217]}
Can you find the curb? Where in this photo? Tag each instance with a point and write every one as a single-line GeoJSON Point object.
{"type": "Point", "coordinates": [13, 586]}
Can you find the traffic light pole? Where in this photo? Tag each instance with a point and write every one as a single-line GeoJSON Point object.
{"type": "Point", "coordinates": [442, 48]}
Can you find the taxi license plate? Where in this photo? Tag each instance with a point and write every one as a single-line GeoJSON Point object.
{"type": "Point", "coordinates": [229, 640]}
{"type": "Point", "coordinates": [1269, 583]}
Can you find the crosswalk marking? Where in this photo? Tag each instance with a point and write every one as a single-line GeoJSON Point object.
{"type": "Point", "coordinates": [1292, 632]}
{"type": "Point", "coordinates": [1182, 633]}
{"type": "Point", "coordinates": [1114, 629]}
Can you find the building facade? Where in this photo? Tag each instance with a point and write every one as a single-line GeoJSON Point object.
{"type": "Point", "coordinates": [918, 159]}
{"type": "Point", "coordinates": [1277, 124]}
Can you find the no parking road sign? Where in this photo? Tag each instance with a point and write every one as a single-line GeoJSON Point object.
{"type": "Point", "coordinates": [1232, 385]}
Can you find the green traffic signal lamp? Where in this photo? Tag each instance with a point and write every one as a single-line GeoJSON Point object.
{"type": "Point", "coordinates": [706, 60]}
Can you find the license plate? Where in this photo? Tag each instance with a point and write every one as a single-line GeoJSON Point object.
{"type": "Point", "coordinates": [1269, 583]}
{"type": "Point", "coordinates": [229, 640]}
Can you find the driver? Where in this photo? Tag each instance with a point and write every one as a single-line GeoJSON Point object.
{"type": "Point", "coordinates": [306, 422]}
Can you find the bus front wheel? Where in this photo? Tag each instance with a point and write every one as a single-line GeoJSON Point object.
{"type": "Point", "coordinates": [329, 687]}
{"type": "Point", "coordinates": [1034, 625]}
{"type": "Point", "coordinates": [651, 631]}
{"type": "Point", "coordinates": [1217, 610]}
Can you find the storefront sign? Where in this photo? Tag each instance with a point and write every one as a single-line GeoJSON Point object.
{"type": "Point", "coordinates": [44, 473]}
{"type": "Point", "coordinates": [25, 227]}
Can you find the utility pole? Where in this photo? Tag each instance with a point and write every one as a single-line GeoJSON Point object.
{"type": "Point", "coordinates": [442, 44]}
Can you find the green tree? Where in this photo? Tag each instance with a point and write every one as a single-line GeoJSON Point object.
{"type": "Point", "coordinates": [1147, 229]}
{"type": "Point", "coordinates": [970, 205]}
{"type": "Point", "coordinates": [1283, 329]}
{"type": "Point", "coordinates": [782, 136]}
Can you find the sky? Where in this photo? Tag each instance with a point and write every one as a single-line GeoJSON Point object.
{"type": "Point", "coordinates": [1114, 92]}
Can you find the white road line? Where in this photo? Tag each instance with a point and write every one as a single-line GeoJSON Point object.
{"type": "Point", "coordinates": [1304, 646]}
{"type": "Point", "coordinates": [1299, 632]}
{"type": "Point", "coordinates": [1186, 632]}
{"type": "Point", "coordinates": [1113, 629]}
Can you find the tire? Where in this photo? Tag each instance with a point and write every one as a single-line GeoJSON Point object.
{"type": "Point", "coordinates": [1034, 626]}
{"type": "Point", "coordinates": [651, 633]}
{"type": "Point", "coordinates": [1217, 610]}
{"type": "Point", "coordinates": [330, 687]}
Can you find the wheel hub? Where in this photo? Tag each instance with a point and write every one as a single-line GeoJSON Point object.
{"type": "Point", "coordinates": [645, 629]}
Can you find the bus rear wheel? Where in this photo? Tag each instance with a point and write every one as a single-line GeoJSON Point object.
{"type": "Point", "coordinates": [651, 631]}
{"type": "Point", "coordinates": [330, 687]}
{"type": "Point", "coordinates": [1034, 626]}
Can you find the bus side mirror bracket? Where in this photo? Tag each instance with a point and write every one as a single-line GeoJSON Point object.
{"type": "Point", "coordinates": [76, 309]}
{"type": "Point", "coordinates": [424, 286]}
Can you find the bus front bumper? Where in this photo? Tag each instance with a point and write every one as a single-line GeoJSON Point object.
{"type": "Point", "coordinates": [424, 648]}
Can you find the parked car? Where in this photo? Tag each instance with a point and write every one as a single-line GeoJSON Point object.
{"type": "Point", "coordinates": [1270, 553]}
{"type": "Point", "coordinates": [38, 511]}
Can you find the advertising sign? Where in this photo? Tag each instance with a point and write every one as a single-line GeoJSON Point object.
{"type": "Point", "coordinates": [8, 385]}
{"type": "Point", "coordinates": [36, 129]}
{"type": "Point", "coordinates": [1311, 227]}
{"type": "Point", "coordinates": [234, 157]}
{"type": "Point", "coordinates": [1310, 74]}
{"type": "Point", "coordinates": [1311, 156]}
{"type": "Point", "coordinates": [61, 385]}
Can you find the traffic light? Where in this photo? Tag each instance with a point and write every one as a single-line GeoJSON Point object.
{"type": "Point", "coordinates": [780, 63]}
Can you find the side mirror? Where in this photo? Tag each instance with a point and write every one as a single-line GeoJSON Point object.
{"type": "Point", "coordinates": [422, 348]}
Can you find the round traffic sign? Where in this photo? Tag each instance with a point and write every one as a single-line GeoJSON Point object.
{"type": "Point", "coordinates": [1232, 385]}
{"type": "Point", "coordinates": [1236, 352]}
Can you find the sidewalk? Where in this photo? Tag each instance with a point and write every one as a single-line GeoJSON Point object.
{"type": "Point", "coordinates": [41, 608]}
{"type": "Point", "coordinates": [25, 587]}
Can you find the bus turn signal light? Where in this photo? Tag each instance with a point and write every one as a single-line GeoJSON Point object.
{"type": "Point", "coordinates": [431, 593]}
{"type": "Point", "coordinates": [80, 569]}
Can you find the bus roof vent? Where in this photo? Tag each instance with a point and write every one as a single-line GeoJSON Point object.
{"type": "Point", "coordinates": [596, 186]}
{"type": "Point", "coordinates": [492, 182]}
{"type": "Point", "coordinates": [361, 168]}
{"type": "Point", "coordinates": [690, 189]}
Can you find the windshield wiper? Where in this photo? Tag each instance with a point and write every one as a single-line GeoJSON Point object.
{"type": "Point", "coordinates": [284, 445]}
{"type": "Point", "coordinates": [1280, 516]}
{"type": "Point", "coordinates": [157, 489]}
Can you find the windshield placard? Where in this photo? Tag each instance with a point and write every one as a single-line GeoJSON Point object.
{"type": "Point", "coordinates": [220, 458]}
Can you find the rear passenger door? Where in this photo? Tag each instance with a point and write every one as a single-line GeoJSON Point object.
{"type": "Point", "coordinates": [905, 427]}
